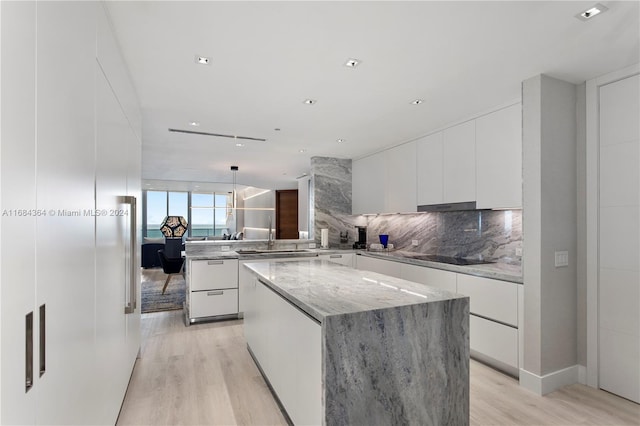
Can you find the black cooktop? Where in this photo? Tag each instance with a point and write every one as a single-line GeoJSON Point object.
{"type": "Point", "coordinates": [450, 260]}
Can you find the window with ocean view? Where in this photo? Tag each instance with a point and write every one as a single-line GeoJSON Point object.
{"type": "Point", "coordinates": [205, 212]}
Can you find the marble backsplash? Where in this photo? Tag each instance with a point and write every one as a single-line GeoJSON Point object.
{"type": "Point", "coordinates": [486, 234]}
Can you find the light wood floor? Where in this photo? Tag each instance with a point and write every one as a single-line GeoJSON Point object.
{"type": "Point", "coordinates": [203, 375]}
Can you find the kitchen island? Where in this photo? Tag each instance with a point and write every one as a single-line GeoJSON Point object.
{"type": "Point", "coordinates": [344, 346]}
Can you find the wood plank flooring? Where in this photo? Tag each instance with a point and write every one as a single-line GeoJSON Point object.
{"type": "Point", "coordinates": [203, 375]}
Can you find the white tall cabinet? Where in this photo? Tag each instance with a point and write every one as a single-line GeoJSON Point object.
{"type": "Point", "coordinates": [70, 145]}
{"type": "Point", "coordinates": [459, 163]}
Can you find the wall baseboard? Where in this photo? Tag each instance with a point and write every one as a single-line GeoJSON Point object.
{"type": "Point", "coordinates": [550, 382]}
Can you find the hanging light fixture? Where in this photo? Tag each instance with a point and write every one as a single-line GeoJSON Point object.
{"type": "Point", "coordinates": [234, 170]}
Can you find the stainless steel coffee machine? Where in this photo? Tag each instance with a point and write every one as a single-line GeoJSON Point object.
{"type": "Point", "coordinates": [362, 238]}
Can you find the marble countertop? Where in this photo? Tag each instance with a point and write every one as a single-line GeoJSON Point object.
{"type": "Point", "coordinates": [212, 255]}
{"type": "Point", "coordinates": [497, 271]}
{"type": "Point", "coordinates": [322, 288]}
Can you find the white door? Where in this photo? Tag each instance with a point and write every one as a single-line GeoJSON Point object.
{"type": "Point", "coordinates": [619, 236]}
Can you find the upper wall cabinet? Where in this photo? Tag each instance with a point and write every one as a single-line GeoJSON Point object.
{"type": "Point", "coordinates": [368, 179]}
{"type": "Point", "coordinates": [400, 187]}
{"type": "Point", "coordinates": [386, 182]}
{"type": "Point", "coordinates": [429, 169]}
{"type": "Point", "coordinates": [459, 163]}
{"type": "Point", "coordinates": [499, 159]}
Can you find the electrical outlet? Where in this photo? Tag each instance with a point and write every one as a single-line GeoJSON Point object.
{"type": "Point", "coordinates": [562, 258]}
{"type": "Point", "coordinates": [312, 245]}
{"type": "Point", "coordinates": [225, 248]}
{"type": "Point", "coordinates": [519, 251]}
{"type": "Point", "coordinates": [415, 242]}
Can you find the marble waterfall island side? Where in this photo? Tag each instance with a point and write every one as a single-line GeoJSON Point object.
{"type": "Point", "coordinates": [343, 346]}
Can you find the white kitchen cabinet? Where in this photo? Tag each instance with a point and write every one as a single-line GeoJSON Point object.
{"type": "Point", "coordinates": [381, 266]}
{"type": "Point", "coordinates": [400, 182]}
{"type": "Point", "coordinates": [493, 299]}
{"type": "Point", "coordinates": [64, 259]}
{"type": "Point", "coordinates": [18, 191]}
{"type": "Point", "coordinates": [445, 280]}
{"type": "Point", "coordinates": [491, 342]}
{"type": "Point", "coordinates": [213, 288]}
{"type": "Point", "coordinates": [459, 163]}
{"type": "Point", "coordinates": [385, 182]}
{"type": "Point", "coordinates": [213, 274]}
{"type": "Point", "coordinates": [347, 259]}
{"type": "Point", "coordinates": [286, 343]}
{"type": "Point", "coordinates": [499, 159]}
{"type": "Point", "coordinates": [429, 185]}
{"type": "Point", "coordinates": [368, 184]}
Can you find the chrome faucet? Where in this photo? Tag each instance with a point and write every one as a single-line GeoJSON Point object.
{"type": "Point", "coordinates": [270, 238]}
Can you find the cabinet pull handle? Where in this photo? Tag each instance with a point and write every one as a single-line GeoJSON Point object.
{"type": "Point", "coordinates": [215, 262]}
{"type": "Point", "coordinates": [130, 307]}
{"type": "Point", "coordinates": [215, 293]}
{"type": "Point", "coordinates": [28, 353]}
{"type": "Point", "coordinates": [335, 256]}
{"type": "Point", "coordinates": [43, 340]}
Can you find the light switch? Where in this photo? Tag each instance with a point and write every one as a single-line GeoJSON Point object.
{"type": "Point", "coordinates": [562, 258]}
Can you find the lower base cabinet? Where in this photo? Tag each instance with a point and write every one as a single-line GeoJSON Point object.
{"type": "Point", "coordinates": [494, 343]}
{"type": "Point", "coordinates": [286, 344]}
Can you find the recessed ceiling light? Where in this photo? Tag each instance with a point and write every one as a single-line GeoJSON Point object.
{"type": "Point", "coordinates": [417, 102]}
{"type": "Point", "coordinates": [302, 150]}
{"type": "Point", "coordinates": [277, 129]}
{"type": "Point", "coordinates": [596, 10]}
{"type": "Point", "coordinates": [340, 140]}
{"type": "Point", "coordinates": [202, 60]}
{"type": "Point", "coordinates": [352, 63]}
{"type": "Point", "coordinates": [284, 174]}
{"type": "Point", "coordinates": [310, 101]}
{"type": "Point", "coordinates": [239, 144]}
{"type": "Point", "coordinates": [194, 123]}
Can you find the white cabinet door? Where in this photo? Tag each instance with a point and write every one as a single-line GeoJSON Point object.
{"type": "Point", "coordinates": [18, 191]}
{"type": "Point", "coordinates": [499, 159]}
{"type": "Point", "coordinates": [433, 277]}
{"type": "Point", "coordinates": [459, 163]}
{"type": "Point", "coordinates": [347, 259]}
{"type": "Point", "coordinates": [65, 256]}
{"type": "Point", "coordinates": [400, 188]}
{"type": "Point", "coordinates": [386, 267]}
{"type": "Point", "coordinates": [369, 183]}
{"type": "Point", "coordinates": [429, 169]}
{"type": "Point", "coordinates": [213, 274]}
{"type": "Point", "coordinates": [494, 299]}
{"type": "Point", "coordinates": [496, 341]}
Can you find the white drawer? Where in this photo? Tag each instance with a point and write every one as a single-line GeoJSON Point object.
{"type": "Point", "coordinates": [213, 274]}
{"type": "Point", "coordinates": [489, 298]}
{"type": "Point", "coordinates": [210, 303]}
{"type": "Point", "coordinates": [493, 340]}
{"type": "Point", "coordinates": [433, 277]}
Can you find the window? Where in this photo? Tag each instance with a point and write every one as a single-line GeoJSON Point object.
{"type": "Point", "coordinates": [159, 204]}
{"type": "Point", "coordinates": [206, 212]}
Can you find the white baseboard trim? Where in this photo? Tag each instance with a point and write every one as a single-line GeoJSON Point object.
{"type": "Point", "coordinates": [550, 382]}
{"type": "Point", "coordinates": [582, 374]}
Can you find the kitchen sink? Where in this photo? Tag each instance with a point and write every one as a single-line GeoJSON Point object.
{"type": "Point", "coordinates": [249, 251]}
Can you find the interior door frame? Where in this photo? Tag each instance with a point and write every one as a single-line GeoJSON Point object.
{"type": "Point", "coordinates": [592, 214]}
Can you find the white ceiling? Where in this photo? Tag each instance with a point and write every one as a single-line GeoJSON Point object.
{"type": "Point", "coordinates": [462, 58]}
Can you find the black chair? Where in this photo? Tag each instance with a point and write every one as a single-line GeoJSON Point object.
{"type": "Point", "coordinates": [170, 266]}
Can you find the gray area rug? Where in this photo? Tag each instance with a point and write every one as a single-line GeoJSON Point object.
{"type": "Point", "coordinates": [152, 298]}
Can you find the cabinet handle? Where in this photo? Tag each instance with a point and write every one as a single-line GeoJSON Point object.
{"type": "Point", "coordinates": [215, 262]}
{"type": "Point", "coordinates": [28, 353]}
{"type": "Point", "coordinates": [215, 293]}
{"type": "Point", "coordinates": [130, 307]}
{"type": "Point", "coordinates": [335, 256]}
{"type": "Point", "coordinates": [43, 340]}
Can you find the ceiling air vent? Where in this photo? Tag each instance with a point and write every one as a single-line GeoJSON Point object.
{"type": "Point", "coordinates": [192, 132]}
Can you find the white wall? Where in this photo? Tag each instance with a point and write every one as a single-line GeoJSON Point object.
{"type": "Point", "coordinates": [549, 225]}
